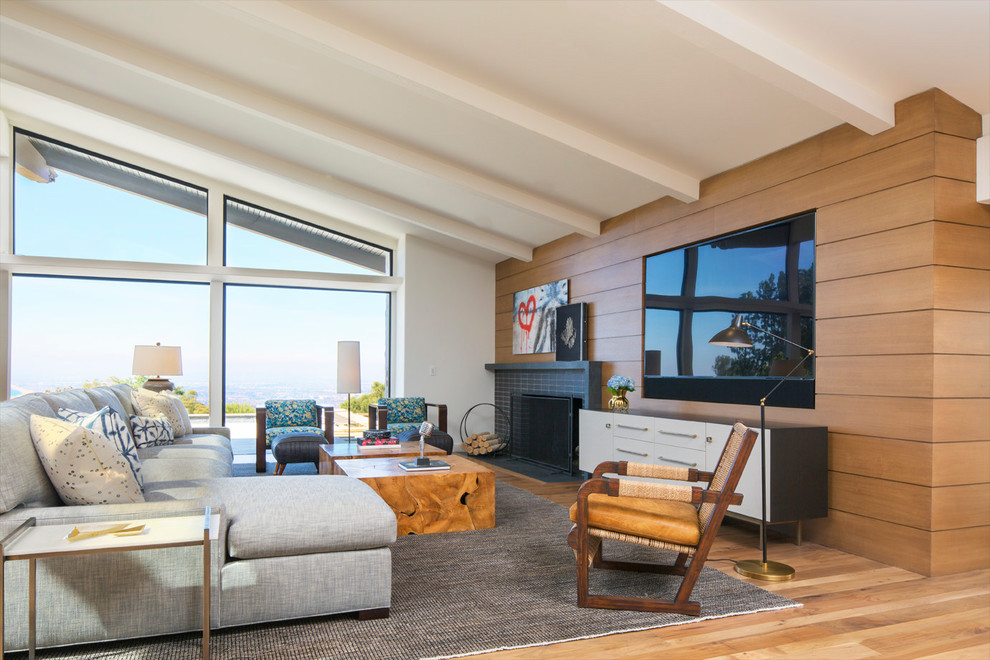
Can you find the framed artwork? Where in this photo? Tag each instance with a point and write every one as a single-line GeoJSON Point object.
{"type": "Point", "coordinates": [572, 332]}
{"type": "Point", "coordinates": [534, 317]}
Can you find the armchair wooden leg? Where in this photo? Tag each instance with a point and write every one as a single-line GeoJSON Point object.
{"type": "Point", "coordinates": [279, 468]}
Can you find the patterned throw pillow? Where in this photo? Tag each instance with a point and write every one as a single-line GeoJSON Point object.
{"type": "Point", "coordinates": [151, 431]}
{"type": "Point", "coordinates": [405, 410]}
{"type": "Point", "coordinates": [151, 404]}
{"type": "Point", "coordinates": [183, 413]}
{"type": "Point", "coordinates": [113, 426]}
{"type": "Point", "coordinates": [293, 412]}
{"type": "Point", "coordinates": [83, 465]}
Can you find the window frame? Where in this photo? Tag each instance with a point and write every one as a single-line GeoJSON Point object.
{"type": "Point", "coordinates": [214, 273]}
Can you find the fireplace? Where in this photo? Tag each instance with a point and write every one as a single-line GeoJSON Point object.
{"type": "Point", "coordinates": [545, 429]}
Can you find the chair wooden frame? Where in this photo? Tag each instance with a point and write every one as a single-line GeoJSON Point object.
{"type": "Point", "coordinates": [260, 445]}
{"type": "Point", "coordinates": [588, 548]}
{"type": "Point", "coordinates": [378, 415]}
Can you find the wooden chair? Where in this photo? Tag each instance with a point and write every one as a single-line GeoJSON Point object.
{"type": "Point", "coordinates": [683, 519]}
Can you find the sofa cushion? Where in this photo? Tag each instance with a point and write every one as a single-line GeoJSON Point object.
{"type": "Point", "coordinates": [208, 440]}
{"type": "Point", "coordinates": [123, 394]}
{"type": "Point", "coordinates": [104, 396]}
{"type": "Point", "coordinates": [151, 431]}
{"type": "Point", "coordinates": [72, 399]}
{"type": "Point", "coordinates": [151, 404]}
{"type": "Point", "coordinates": [160, 470]}
{"type": "Point", "coordinates": [23, 480]}
{"type": "Point", "coordinates": [113, 426]}
{"type": "Point", "coordinates": [83, 464]}
{"type": "Point", "coordinates": [296, 515]}
{"type": "Point", "coordinates": [184, 451]}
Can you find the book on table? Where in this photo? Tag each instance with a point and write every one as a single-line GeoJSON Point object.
{"type": "Point", "coordinates": [410, 466]}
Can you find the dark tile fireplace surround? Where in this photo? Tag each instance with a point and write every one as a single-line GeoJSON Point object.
{"type": "Point", "coordinates": [580, 381]}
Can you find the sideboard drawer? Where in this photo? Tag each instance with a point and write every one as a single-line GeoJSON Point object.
{"type": "Point", "coordinates": [636, 427]}
{"type": "Point", "coordinates": [680, 433]}
{"type": "Point", "coordinates": [678, 457]}
{"type": "Point", "coordinates": [634, 451]}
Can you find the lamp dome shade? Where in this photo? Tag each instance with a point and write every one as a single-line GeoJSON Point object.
{"type": "Point", "coordinates": [734, 335]}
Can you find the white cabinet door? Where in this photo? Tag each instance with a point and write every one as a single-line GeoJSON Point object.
{"type": "Point", "coordinates": [595, 439]}
{"type": "Point", "coordinates": [749, 483]}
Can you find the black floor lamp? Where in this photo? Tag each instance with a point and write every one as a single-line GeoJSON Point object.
{"type": "Point", "coordinates": [735, 336]}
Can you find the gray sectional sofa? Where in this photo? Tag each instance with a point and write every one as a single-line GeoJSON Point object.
{"type": "Point", "coordinates": [289, 547]}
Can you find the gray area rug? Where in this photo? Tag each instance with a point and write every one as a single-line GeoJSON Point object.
{"type": "Point", "coordinates": [463, 593]}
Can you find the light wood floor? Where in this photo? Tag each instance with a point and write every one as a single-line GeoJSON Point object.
{"type": "Point", "coordinates": [853, 608]}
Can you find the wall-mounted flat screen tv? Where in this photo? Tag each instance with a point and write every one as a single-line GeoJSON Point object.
{"type": "Point", "coordinates": [767, 275]}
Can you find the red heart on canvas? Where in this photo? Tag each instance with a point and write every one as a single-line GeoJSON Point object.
{"type": "Point", "coordinates": [527, 312]}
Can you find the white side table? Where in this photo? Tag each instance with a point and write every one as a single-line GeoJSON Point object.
{"type": "Point", "coordinates": [49, 541]}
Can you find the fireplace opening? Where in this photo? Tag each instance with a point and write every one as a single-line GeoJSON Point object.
{"type": "Point", "coordinates": [545, 429]}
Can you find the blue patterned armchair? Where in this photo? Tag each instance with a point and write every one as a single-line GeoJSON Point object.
{"type": "Point", "coordinates": [402, 413]}
{"type": "Point", "coordinates": [281, 416]}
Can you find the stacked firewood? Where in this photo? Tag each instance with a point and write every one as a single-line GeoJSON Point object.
{"type": "Point", "coordinates": [479, 444]}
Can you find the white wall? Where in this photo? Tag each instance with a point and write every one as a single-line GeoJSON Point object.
{"type": "Point", "coordinates": [446, 315]}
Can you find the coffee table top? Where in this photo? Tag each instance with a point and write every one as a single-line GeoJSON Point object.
{"type": "Point", "coordinates": [377, 468]}
{"type": "Point", "coordinates": [340, 450]}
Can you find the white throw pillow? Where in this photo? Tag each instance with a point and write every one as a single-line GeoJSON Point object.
{"type": "Point", "coordinates": [151, 431]}
{"type": "Point", "coordinates": [113, 426]}
{"type": "Point", "coordinates": [151, 404]}
{"type": "Point", "coordinates": [83, 465]}
{"type": "Point", "coordinates": [183, 413]}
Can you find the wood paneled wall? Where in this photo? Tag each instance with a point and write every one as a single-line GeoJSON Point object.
{"type": "Point", "coordinates": [903, 320]}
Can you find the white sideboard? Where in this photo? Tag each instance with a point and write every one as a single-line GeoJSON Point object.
{"type": "Point", "coordinates": [796, 457]}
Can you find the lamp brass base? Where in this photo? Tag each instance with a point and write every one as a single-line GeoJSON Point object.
{"type": "Point", "coordinates": [772, 571]}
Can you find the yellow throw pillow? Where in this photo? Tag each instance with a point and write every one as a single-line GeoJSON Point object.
{"type": "Point", "coordinates": [84, 465]}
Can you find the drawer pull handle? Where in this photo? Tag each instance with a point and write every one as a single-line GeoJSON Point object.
{"type": "Point", "coordinates": [634, 453]}
{"type": "Point", "coordinates": [634, 428]}
{"type": "Point", "coordinates": [679, 435]}
{"type": "Point", "coordinates": [674, 460]}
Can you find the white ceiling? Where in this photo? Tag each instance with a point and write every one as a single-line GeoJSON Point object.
{"type": "Point", "coordinates": [489, 126]}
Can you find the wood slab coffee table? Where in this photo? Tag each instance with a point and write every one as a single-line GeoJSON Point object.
{"type": "Point", "coordinates": [343, 450]}
{"type": "Point", "coordinates": [455, 500]}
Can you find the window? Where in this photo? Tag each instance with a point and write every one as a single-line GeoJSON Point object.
{"type": "Point", "coordinates": [69, 332]}
{"type": "Point", "coordinates": [281, 343]}
{"type": "Point", "coordinates": [257, 238]}
{"type": "Point", "coordinates": [75, 204]}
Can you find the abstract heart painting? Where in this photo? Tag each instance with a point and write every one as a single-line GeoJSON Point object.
{"type": "Point", "coordinates": [534, 314]}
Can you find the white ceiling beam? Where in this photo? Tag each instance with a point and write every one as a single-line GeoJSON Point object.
{"type": "Point", "coordinates": [315, 126]}
{"type": "Point", "coordinates": [391, 64]}
{"type": "Point", "coordinates": [749, 47]}
{"type": "Point", "coordinates": [30, 95]}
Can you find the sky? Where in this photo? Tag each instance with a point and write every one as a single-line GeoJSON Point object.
{"type": "Point", "coordinates": [68, 331]}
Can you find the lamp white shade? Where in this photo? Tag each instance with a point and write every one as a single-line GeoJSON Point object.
{"type": "Point", "coordinates": [157, 360]}
{"type": "Point", "coordinates": [348, 367]}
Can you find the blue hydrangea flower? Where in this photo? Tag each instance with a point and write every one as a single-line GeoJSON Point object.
{"type": "Point", "coordinates": [620, 384]}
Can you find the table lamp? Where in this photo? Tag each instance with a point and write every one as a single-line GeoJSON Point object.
{"type": "Point", "coordinates": [158, 361]}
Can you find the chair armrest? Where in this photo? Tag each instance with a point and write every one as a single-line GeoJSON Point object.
{"type": "Point", "coordinates": [372, 416]}
{"type": "Point", "coordinates": [213, 430]}
{"type": "Point", "coordinates": [625, 468]}
{"type": "Point", "coordinates": [260, 416]}
{"type": "Point", "coordinates": [328, 422]}
{"type": "Point", "coordinates": [441, 414]}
